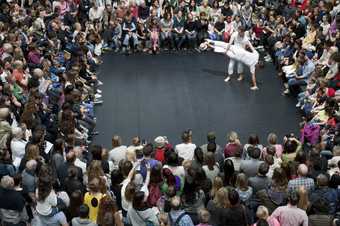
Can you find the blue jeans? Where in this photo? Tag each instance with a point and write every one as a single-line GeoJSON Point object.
{"type": "Point", "coordinates": [294, 85]}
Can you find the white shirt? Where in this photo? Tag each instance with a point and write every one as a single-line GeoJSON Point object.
{"type": "Point", "coordinates": [18, 148]}
{"type": "Point", "coordinates": [125, 203]}
{"type": "Point", "coordinates": [236, 40]}
{"type": "Point", "coordinates": [80, 164]}
{"type": "Point", "coordinates": [117, 154]}
{"type": "Point", "coordinates": [185, 151]}
{"type": "Point", "coordinates": [96, 14]}
{"type": "Point", "coordinates": [176, 170]}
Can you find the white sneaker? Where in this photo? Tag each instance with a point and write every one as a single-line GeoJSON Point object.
{"type": "Point", "coordinates": [298, 105]}
{"type": "Point", "coordinates": [99, 91]}
{"type": "Point", "coordinates": [98, 102]}
{"type": "Point", "coordinates": [97, 96]}
{"type": "Point", "coordinates": [254, 88]}
{"type": "Point", "coordinates": [227, 79]}
{"type": "Point", "coordinates": [99, 82]}
{"type": "Point", "coordinates": [286, 92]}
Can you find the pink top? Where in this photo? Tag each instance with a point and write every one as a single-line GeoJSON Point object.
{"type": "Point", "coordinates": [290, 216]}
{"type": "Point", "coordinates": [278, 151]}
{"type": "Point", "coordinates": [271, 221]}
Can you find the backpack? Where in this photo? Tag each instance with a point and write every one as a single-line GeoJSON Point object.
{"type": "Point", "coordinates": [179, 218]}
{"type": "Point", "coordinates": [147, 222]}
{"type": "Point", "coordinates": [154, 194]}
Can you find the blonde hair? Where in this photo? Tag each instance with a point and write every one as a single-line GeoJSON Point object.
{"type": "Point", "coordinates": [131, 154]}
{"type": "Point", "coordinates": [216, 185]}
{"type": "Point", "coordinates": [232, 137]}
{"type": "Point", "coordinates": [262, 212]}
{"type": "Point", "coordinates": [303, 201]}
{"type": "Point", "coordinates": [221, 198]}
{"type": "Point", "coordinates": [204, 216]}
{"type": "Point", "coordinates": [242, 181]}
{"type": "Point", "coordinates": [163, 219]}
{"type": "Point", "coordinates": [272, 138]}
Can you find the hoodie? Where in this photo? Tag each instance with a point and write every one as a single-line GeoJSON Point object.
{"type": "Point", "coordinates": [77, 221]}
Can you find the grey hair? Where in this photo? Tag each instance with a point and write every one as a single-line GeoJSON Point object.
{"type": "Point", "coordinates": [31, 164]}
{"type": "Point", "coordinates": [7, 182]}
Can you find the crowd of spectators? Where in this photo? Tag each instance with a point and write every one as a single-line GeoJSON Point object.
{"type": "Point", "coordinates": [51, 174]}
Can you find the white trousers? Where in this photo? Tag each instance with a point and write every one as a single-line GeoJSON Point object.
{"type": "Point", "coordinates": [240, 67]}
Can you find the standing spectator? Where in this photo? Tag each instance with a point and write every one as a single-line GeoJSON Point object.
{"type": "Point", "coordinates": [260, 181]}
{"type": "Point", "coordinates": [301, 180]}
{"type": "Point", "coordinates": [83, 219]}
{"type": "Point", "coordinates": [186, 149]}
{"type": "Point", "coordinates": [12, 204]}
{"type": "Point", "coordinates": [118, 151]}
{"type": "Point", "coordinates": [139, 213]}
{"type": "Point", "coordinates": [177, 216]}
{"type": "Point", "coordinates": [250, 167]}
{"type": "Point", "coordinates": [291, 215]}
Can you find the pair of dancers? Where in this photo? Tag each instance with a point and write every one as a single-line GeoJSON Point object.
{"type": "Point", "coordinates": [236, 53]}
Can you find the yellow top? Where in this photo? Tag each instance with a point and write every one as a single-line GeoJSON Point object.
{"type": "Point", "coordinates": [92, 201]}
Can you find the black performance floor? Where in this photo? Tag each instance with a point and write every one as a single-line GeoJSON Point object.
{"type": "Point", "coordinates": [165, 94]}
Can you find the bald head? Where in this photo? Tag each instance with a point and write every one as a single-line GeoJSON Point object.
{"type": "Point", "coordinates": [38, 72]}
{"type": "Point", "coordinates": [302, 170]}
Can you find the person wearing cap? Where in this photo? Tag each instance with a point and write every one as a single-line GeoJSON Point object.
{"type": "Point", "coordinates": [83, 219]}
{"type": "Point", "coordinates": [161, 146]}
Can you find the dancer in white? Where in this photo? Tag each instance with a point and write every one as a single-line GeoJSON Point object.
{"type": "Point", "coordinates": [240, 39]}
{"type": "Point", "coordinates": [236, 53]}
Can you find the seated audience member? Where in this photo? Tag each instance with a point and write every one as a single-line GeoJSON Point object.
{"type": "Point", "coordinates": [190, 30]}
{"type": "Point", "coordinates": [54, 174]}
{"type": "Point", "coordinates": [305, 70]}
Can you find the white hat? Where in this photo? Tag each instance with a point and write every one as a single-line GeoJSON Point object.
{"type": "Point", "coordinates": [160, 141]}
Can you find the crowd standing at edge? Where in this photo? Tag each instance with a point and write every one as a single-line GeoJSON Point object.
{"type": "Point", "coordinates": [52, 175]}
